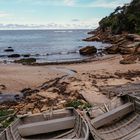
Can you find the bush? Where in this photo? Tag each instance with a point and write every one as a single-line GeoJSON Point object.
{"type": "Point", "coordinates": [5, 119]}
{"type": "Point", "coordinates": [5, 112]}
{"type": "Point", "coordinates": [78, 104]}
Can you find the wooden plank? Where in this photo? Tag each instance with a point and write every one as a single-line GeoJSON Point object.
{"type": "Point", "coordinates": [57, 139]}
{"type": "Point", "coordinates": [112, 115]}
{"type": "Point", "coordinates": [45, 116]}
{"type": "Point", "coordinates": [46, 126]}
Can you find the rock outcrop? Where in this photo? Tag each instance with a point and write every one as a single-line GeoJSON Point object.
{"type": "Point", "coordinates": [88, 50]}
{"type": "Point", "coordinates": [9, 50]}
{"type": "Point", "coordinates": [123, 44]}
{"type": "Point", "coordinates": [92, 38]}
{"type": "Point", "coordinates": [133, 37]}
{"type": "Point", "coordinates": [26, 55]}
{"type": "Point", "coordinates": [128, 49]}
{"type": "Point", "coordinates": [137, 50]}
{"type": "Point", "coordinates": [14, 55]}
{"type": "Point", "coordinates": [112, 50]}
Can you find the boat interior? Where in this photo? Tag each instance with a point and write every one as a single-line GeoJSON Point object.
{"type": "Point", "coordinates": [121, 123]}
{"type": "Point", "coordinates": [60, 124]}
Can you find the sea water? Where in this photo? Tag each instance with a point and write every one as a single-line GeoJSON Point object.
{"type": "Point", "coordinates": [45, 45]}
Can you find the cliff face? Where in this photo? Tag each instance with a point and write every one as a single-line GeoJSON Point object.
{"type": "Point", "coordinates": [123, 19]}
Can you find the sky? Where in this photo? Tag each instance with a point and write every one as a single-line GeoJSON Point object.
{"type": "Point", "coordinates": [55, 14]}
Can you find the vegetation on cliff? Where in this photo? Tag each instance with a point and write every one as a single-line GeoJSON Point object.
{"type": "Point", "coordinates": [123, 19]}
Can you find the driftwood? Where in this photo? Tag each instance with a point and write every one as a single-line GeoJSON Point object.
{"type": "Point", "coordinates": [120, 90]}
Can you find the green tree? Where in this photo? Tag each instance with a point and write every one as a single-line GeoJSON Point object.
{"type": "Point", "coordinates": [126, 18]}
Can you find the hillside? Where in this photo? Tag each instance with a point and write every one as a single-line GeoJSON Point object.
{"type": "Point", "coordinates": [123, 19]}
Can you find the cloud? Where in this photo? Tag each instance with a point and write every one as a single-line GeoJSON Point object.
{"type": "Point", "coordinates": [80, 3]}
{"type": "Point", "coordinates": [4, 14]}
{"type": "Point", "coordinates": [108, 4]}
{"type": "Point", "coordinates": [76, 25]}
{"type": "Point", "coordinates": [99, 3]}
{"type": "Point", "coordinates": [69, 2]}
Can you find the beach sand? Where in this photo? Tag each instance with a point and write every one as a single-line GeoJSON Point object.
{"type": "Point", "coordinates": [87, 76]}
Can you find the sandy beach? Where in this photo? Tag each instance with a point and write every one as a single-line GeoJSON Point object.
{"type": "Point", "coordinates": [84, 78]}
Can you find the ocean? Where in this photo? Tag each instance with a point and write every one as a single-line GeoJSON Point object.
{"type": "Point", "coordinates": [45, 45]}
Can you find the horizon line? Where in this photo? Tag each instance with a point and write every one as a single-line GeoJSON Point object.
{"type": "Point", "coordinates": [52, 29]}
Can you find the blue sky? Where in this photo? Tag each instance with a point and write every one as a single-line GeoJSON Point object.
{"type": "Point", "coordinates": [55, 13]}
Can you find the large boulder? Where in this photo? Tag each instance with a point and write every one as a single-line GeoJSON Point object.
{"type": "Point", "coordinates": [112, 50]}
{"type": "Point", "coordinates": [88, 50]}
{"type": "Point", "coordinates": [14, 55]}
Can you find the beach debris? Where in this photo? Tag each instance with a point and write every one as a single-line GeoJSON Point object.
{"type": "Point", "coordinates": [128, 59]}
{"type": "Point", "coordinates": [28, 91]}
{"type": "Point", "coordinates": [2, 87]}
{"type": "Point", "coordinates": [56, 92]}
{"type": "Point", "coordinates": [120, 90]}
{"type": "Point", "coordinates": [26, 61]}
{"type": "Point", "coordinates": [128, 75]}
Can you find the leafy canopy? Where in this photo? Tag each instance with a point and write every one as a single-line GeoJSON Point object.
{"type": "Point", "coordinates": [123, 19]}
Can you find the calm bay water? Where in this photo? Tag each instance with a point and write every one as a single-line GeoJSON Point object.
{"type": "Point", "coordinates": [45, 45]}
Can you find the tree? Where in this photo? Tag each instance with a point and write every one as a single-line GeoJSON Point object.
{"type": "Point", "coordinates": [126, 18]}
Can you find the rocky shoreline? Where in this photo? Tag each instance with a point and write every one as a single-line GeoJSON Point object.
{"type": "Point", "coordinates": [125, 44]}
{"type": "Point", "coordinates": [28, 59]}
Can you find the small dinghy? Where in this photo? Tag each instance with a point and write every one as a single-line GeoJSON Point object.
{"type": "Point", "coordinates": [59, 124]}
{"type": "Point", "coordinates": [120, 123]}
